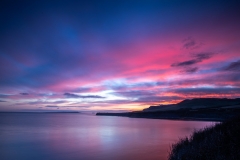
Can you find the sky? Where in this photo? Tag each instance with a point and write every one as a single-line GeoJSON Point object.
{"type": "Point", "coordinates": [105, 55]}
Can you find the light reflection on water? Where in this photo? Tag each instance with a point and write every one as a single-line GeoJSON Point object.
{"type": "Point", "coordinates": [60, 136]}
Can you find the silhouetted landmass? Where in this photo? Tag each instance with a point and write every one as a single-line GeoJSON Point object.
{"type": "Point", "coordinates": [44, 112]}
{"type": "Point", "coordinates": [209, 109]}
{"type": "Point", "coordinates": [220, 142]}
{"type": "Point", "coordinates": [197, 103]}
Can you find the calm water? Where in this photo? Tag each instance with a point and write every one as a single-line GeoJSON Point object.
{"type": "Point", "coordinates": [66, 136]}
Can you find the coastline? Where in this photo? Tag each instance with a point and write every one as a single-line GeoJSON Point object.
{"type": "Point", "coordinates": [206, 115]}
{"type": "Point", "coordinates": [216, 119]}
{"type": "Point", "coordinates": [199, 109]}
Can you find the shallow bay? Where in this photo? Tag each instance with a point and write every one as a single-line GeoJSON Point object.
{"type": "Point", "coordinates": [72, 136]}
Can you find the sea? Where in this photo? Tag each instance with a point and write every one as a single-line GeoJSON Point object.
{"type": "Point", "coordinates": [75, 136]}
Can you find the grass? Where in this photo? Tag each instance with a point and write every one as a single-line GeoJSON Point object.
{"type": "Point", "coordinates": [219, 142]}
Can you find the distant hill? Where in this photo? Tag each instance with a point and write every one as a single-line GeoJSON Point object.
{"type": "Point", "coordinates": [196, 103]}
{"type": "Point", "coordinates": [206, 109]}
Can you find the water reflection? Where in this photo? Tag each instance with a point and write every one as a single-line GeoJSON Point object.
{"type": "Point", "coordinates": [76, 136]}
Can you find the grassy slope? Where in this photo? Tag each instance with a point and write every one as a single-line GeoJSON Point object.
{"type": "Point", "coordinates": [220, 142]}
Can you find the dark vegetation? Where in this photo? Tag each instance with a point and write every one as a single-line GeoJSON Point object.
{"type": "Point", "coordinates": [219, 142]}
{"type": "Point", "coordinates": [40, 112]}
{"type": "Point", "coordinates": [209, 109]}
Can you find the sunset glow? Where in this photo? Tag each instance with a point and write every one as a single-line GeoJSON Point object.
{"type": "Point", "coordinates": [116, 55]}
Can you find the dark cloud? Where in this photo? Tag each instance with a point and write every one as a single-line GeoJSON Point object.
{"type": "Point", "coordinates": [219, 79]}
{"type": "Point", "coordinates": [135, 93]}
{"type": "Point", "coordinates": [2, 101]}
{"type": "Point", "coordinates": [234, 66]}
{"type": "Point", "coordinates": [25, 94]}
{"type": "Point", "coordinates": [44, 102]}
{"type": "Point", "coordinates": [157, 99]}
{"type": "Point", "coordinates": [82, 89]}
{"type": "Point", "coordinates": [68, 106]}
{"type": "Point", "coordinates": [117, 101]}
{"type": "Point", "coordinates": [202, 56]}
{"type": "Point", "coordinates": [71, 95]}
{"type": "Point", "coordinates": [191, 70]}
{"type": "Point", "coordinates": [189, 43]}
{"type": "Point", "coordinates": [235, 78]}
{"type": "Point", "coordinates": [77, 106]}
{"type": "Point", "coordinates": [52, 106]}
{"type": "Point", "coordinates": [186, 63]}
{"type": "Point", "coordinates": [216, 90]}
{"type": "Point", "coordinates": [135, 85]}
{"type": "Point", "coordinates": [61, 101]}
{"type": "Point", "coordinates": [199, 57]}
{"type": "Point", "coordinates": [4, 95]}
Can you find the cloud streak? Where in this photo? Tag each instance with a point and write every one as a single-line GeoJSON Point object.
{"type": "Point", "coordinates": [71, 95]}
{"type": "Point", "coordinates": [189, 43]}
{"type": "Point", "coordinates": [24, 94]}
{"type": "Point", "coordinates": [233, 66]}
{"type": "Point", "coordinates": [52, 106]}
{"type": "Point", "coordinates": [197, 59]}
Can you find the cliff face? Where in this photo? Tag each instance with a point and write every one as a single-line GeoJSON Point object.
{"type": "Point", "coordinates": [195, 104]}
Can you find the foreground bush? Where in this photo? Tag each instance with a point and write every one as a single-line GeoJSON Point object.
{"type": "Point", "coordinates": [219, 142]}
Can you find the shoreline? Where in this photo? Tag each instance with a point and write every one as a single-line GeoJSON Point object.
{"type": "Point", "coordinates": [201, 115]}
{"type": "Point", "coordinates": [199, 109]}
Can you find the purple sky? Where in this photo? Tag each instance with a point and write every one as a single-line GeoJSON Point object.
{"type": "Point", "coordinates": [116, 55]}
